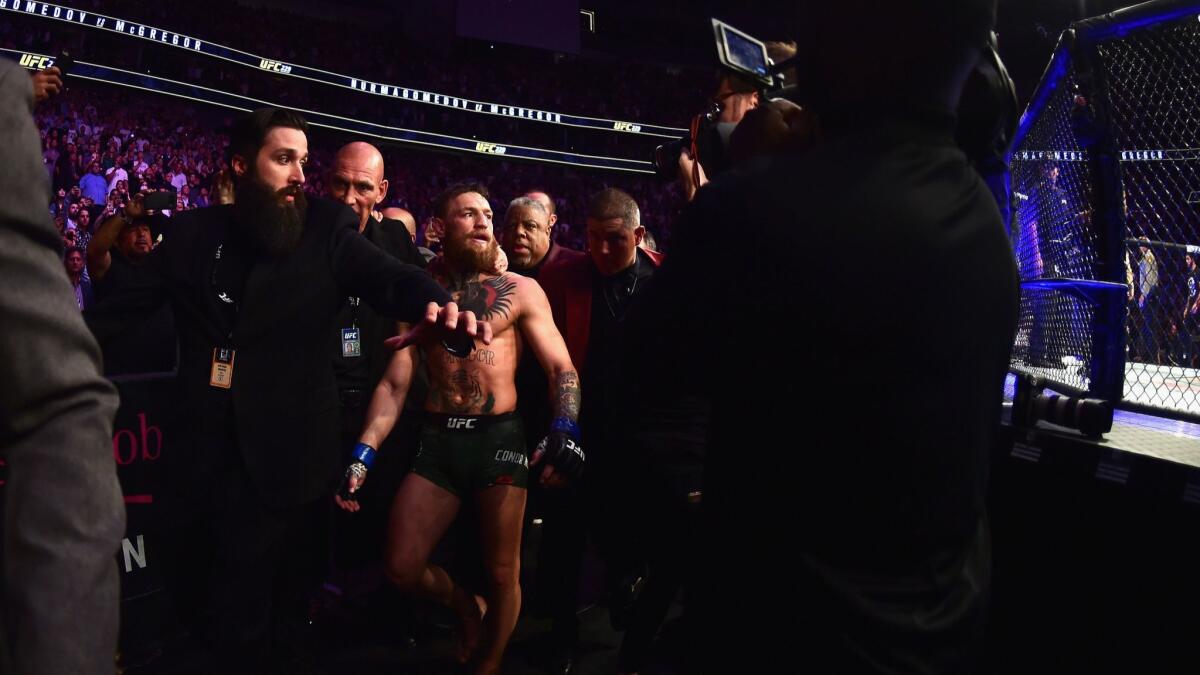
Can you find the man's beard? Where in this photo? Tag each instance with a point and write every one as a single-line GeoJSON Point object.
{"type": "Point", "coordinates": [272, 223]}
{"type": "Point", "coordinates": [463, 257]}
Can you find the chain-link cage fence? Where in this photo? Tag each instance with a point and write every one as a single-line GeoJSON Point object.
{"type": "Point", "coordinates": [1153, 78]}
{"type": "Point", "coordinates": [1052, 237]}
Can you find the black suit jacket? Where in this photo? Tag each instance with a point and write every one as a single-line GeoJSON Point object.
{"type": "Point", "coordinates": [282, 408]}
{"type": "Point", "coordinates": [854, 342]}
{"type": "Point", "coordinates": [391, 236]}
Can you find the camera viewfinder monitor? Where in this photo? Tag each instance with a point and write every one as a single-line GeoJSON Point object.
{"type": "Point", "coordinates": [741, 52]}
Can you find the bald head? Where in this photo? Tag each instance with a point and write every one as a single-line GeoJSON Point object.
{"type": "Point", "coordinates": [357, 179]}
{"type": "Point", "coordinates": [402, 215]}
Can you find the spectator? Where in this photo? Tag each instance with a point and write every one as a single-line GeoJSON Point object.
{"type": "Point", "coordinates": [65, 173]}
{"type": "Point", "coordinates": [93, 185]}
{"type": "Point", "coordinates": [179, 180]}
{"type": "Point", "coordinates": [71, 222]}
{"type": "Point", "coordinates": [73, 261]}
{"type": "Point", "coordinates": [117, 173]}
{"type": "Point", "coordinates": [116, 258]}
{"type": "Point", "coordinates": [1189, 334]}
{"type": "Point", "coordinates": [1146, 343]}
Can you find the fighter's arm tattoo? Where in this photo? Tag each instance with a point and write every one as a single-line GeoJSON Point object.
{"type": "Point", "coordinates": [567, 395]}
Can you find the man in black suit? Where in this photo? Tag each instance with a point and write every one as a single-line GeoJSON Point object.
{"type": "Point", "coordinates": [359, 357]}
{"type": "Point", "coordinates": [359, 361]}
{"type": "Point", "coordinates": [255, 287]}
{"type": "Point", "coordinates": [843, 491]}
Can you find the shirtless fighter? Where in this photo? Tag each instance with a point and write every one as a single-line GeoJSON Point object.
{"type": "Point", "coordinates": [472, 443]}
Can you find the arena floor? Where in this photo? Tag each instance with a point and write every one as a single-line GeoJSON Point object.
{"type": "Point", "coordinates": [363, 638]}
{"type": "Point", "coordinates": [1168, 387]}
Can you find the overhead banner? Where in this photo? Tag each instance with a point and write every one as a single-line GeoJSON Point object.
{"type": "Point", "coordinates": [142, 31]}
{"type": "Point", "coordinates": [194, 92]}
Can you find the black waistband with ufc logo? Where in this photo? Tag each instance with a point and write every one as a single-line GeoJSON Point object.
{"type": "Point", "coordinates": [445, 422]}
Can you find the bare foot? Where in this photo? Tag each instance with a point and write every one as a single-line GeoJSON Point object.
{"type": "Point", "coordinates": [470, 611]}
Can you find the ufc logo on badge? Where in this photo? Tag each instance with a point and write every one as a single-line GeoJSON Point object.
{"type": "Point", "coordinates": [461, 423]}
{"type": "Point", "coordinates": [351, 343]}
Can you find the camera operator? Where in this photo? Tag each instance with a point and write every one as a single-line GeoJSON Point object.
{"type": "Point", "coordinates": [887, 549]}
{"type": "Point", "coordinates": [735, 96]}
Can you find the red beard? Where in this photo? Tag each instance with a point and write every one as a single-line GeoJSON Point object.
{"type": "Point", "coordinates": [465, 257]}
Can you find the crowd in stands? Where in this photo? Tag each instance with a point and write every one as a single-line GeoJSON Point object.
{"type": "Point", "coordinates": [559, 82]}
{"type": "Point", "coordinates": [542, 80]}
{"type": "Point", "coordinates": [127, 141]}
{"type": "Point", "coordinates": [102, 144]}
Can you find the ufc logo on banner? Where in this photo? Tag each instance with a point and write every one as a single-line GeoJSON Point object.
{"type": "Point", "coordinates": [36, 62]}
{"type": "Point", "coordinates": [461, 423]}
{"type": "Point", "coordinates": [267, 64]}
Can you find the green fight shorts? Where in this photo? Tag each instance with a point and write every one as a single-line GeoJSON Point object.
{"type": "Point", "coordinates": [466, 454]}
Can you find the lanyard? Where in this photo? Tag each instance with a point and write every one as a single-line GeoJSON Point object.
{"type": "Point", "coordinates": [228, 302]}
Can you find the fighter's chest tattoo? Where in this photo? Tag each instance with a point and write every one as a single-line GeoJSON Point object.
{"type": "Point", "coordinates": [488, 299]}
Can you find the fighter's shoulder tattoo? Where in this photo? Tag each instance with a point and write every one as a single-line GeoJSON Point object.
{"type": "Point", "coordinates": [490, 298]}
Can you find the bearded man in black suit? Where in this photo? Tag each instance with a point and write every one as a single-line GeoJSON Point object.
{"type": "Point", "coordinates": [255, 286]}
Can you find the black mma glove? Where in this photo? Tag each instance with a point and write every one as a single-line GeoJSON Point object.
{"type": "Point", "coordinates": [561, 449]}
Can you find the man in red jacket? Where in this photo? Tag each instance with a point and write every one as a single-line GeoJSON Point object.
{"type": "Point", "coordinates": [527, 237]}
{"type": "Point", "coordinates": [590, 297]}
